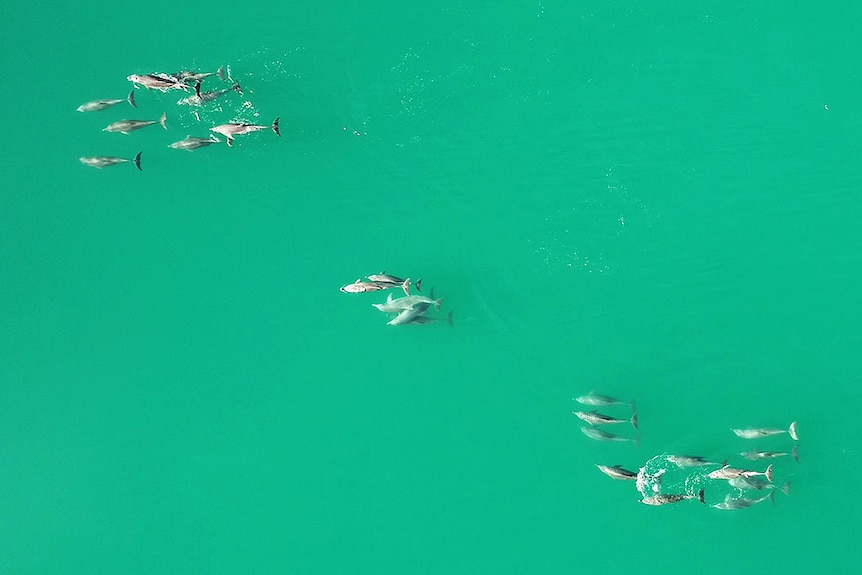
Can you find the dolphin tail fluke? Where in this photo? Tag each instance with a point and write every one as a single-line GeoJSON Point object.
{"type": "Point", "coordinates": [406, 286]}
{"type": "Point", "coordinates": [792, 431]}
{"type": "Point", "coordinates": [437, 303]}
{"type": "Point", "coordinates": [795, 453]}
{"type": "Point", "coordinates": [163, 119]}
{"type": "Point", "coordinates": [137, 161]}
{"type": "Point", "coordinates": [198, 89]}
{"type": "Point", "coordinates": [131, 99]}
{"type": "Point", "coordinates": [634, 406]}
{"type": "Point", "coordinates": [230, 145]}
{"type": "Point", "coordinates": [772, 496]}
{"type": "Point", "coordinates": [237, 89]}
{"type": "Point", "coordinates": [419, 285]}
{"type": "Point", "coordinates": [275, 127]}
{"type": "Point", "coordinates": [634, 420]}
{"type": "Point", "coordinates": [220, 73]}
{"type": "Point", "coordinates": [768, 473]}
{"type": "Point", "coordinates": [700, 497]}
{"type": "Point", "coordinates": [449, 319]}
{"type": "Point", "coordinates": [786, 488]}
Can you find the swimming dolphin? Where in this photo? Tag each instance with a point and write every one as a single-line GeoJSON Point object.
{"type": "Point", "coordinates": [601, 435]}
{"type": "Point", "coordinates": [664, 499]}
{"type": "Point", "coordinates": [742, 502]}
{"type": "Point", "coordinates": [411, 314]}
{"type": "Point", "coordinates": [383, 277]}
{"type": "Point", "coordinates": [161, 82]}
{"type": "Point", "coordinates": [757, 483]}
{"type": "Point", "coordinates": [201, 98]}
{"type": "Point", "coordinates": [237, 129]}
{"type": "Point", "coordinates": [360, 286]}
{"type": "Point", "coordinates": [595, 418]}
{"type": "Point", "coordinates": [398, 305]}
{"type": "Point", "coordinates": [189, 76]}
{"type": "Point", "coordinates": [599, 400]}
{"type": "Point", "coordinates": [617, 472]}
{"type": "Point", "coordinates": [758, 432]}
{"type": "Point", "coordinates": [97, 105]}
{"type": "Point", "coordinates": [191, 143]}
{"type": "Point", "coordinates": [126, 126]}
{"type": "Point", "coordinates": [105, 161]}
{"type": "Point", "coordinates": [688, 460]}
{"type": "Point", "coordinates": [727, 472]}
{"type": "Point", "coordinates": [755, 455]}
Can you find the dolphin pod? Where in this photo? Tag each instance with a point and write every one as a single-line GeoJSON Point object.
{"type": "Point", "coordinates": [185, 81]}
{"type": "Point", "coordinates": [673, 478]}
{"type": "Point", "coordinates": [410, 309]}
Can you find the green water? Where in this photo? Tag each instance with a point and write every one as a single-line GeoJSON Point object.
{"type": "Point", "coordinates": [646, 200]}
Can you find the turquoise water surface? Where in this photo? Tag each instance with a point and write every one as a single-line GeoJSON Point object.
{"type": "Point", "coordinates": [647, 200]}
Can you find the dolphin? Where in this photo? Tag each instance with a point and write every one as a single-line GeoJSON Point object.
{"type": "Point", "coordinates": [600, 435]}
{"type": "Point", "coordinates": [599, 400]}
{"type": "Point", "coordinates": [664, 499]}
{"type": "Point", "coordinates": [758, 432]}
{"type": "Point", "coordinates": [688, 460]}
{"type": "Point", "coordinates": [617, 472]}
{"type": "Point", "coordinates": [201, 98]}
{"type": "Point", "coordinates": [383, 277]}
{"type": "Point", "coordinates": [189, 76]}
{"type": "Point", "coordinates": [755, 455]}
{"type": "Point", "coordinates": [727, 472]}
{"type": "Point", "coordinates": [104, 161]}
{"type": "Point", "coordinates": [97, 105]}
{"type": "Point", "coordinates": [757, 483]}
{"type": "Point", "coordinates": [411, 314]}
{"type": "Point", "coordinates": [595, 418]}
{"type": "Point", "coordinates": [742, 502]}
{"type": "Point", "coordinates": [191, 143]}
{"type": "Point", "coordinates": [398, 305]}
{"type": "Point", "coordinates": [126, 126]}
{"type": "Point", "coordinates": [237, 129]}
{"type": "Point", "coordinates": [161, 82]}
{"type": "Point", "coordinates": [360, 286]}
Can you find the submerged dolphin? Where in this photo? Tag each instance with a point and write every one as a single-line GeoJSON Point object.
{"type": "Point", "coordinates": [191, 143]}
{"type": "Point", "coordinates": [126, 126]}
{"type": "Point", "coordinates": [757, 483]}
{"type": "Point", "coordinates": [398, 305]}
{"type": "Point", "coordinates": [755, 455]}
{"type": "Point", "coordinates": [237, 129]}
{"type": "Point", "coordinates": [664, 499]}
{"type": "Point", "coordinates": [411, 314]}
{"type": "Point", "coordinates": [601, 435]}
{"type": "Point", "coordinates": [189, 76]}
{"type": "Point", "coordinates": [97, 105]}
{"type": "Point", "coordinates": [599, 400]}
{"type": "Point", "coordinates": [105, 161]}
{"type": "Point", "coordinates": [688, 460]}
{"type": "Point", "coordinates": [742, 502]}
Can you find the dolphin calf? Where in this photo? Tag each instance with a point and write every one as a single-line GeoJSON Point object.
{"type": "Point", "coordinates": [596, 418]}
{"type": "Point", "coordinates": [191, 143]}
{"type": "Point", "coordinates": [727, 472]}
{"type": "Point", "coordinates": [598, 400]}
{"type": "Point", "coordinates": [237, 129]}
{"type": "Point", "coordinates": [200, 98]}
{"type": "Point", "coordinates": [755, 455]}
{"type": "Point", "coordinates": [758, 432]}
{"type": "Point", "coordinates": [664, 499]}
{"type": "Point", "coordinates": [126, 126]}
{"type": "Point", "coordinates": [97, 105]}
{"type": "Point", "coordinates": [617, 472]}
{"type": "Point", "coordinates": [161, 82]}
{"type": "Point", "coordinates": [105, 161]}
{"type": "Point", "coordinates": [189, 76]}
